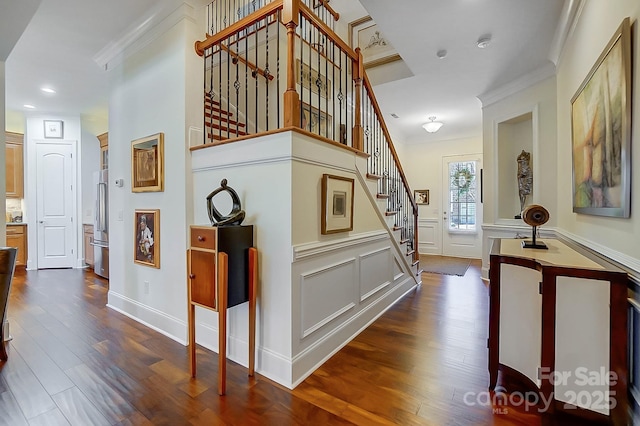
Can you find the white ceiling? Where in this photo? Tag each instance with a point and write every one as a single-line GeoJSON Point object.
{"type": "Point", "coordinates": [58, 48]}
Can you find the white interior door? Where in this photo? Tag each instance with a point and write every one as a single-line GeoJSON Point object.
{"type": "Point", "coordinates": [461, 207]}
{"type": "Point", "coordinates": [55, 200]}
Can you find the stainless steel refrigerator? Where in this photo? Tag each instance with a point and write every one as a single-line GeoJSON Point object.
{"type": "Point", "coordinates": [101, 223]}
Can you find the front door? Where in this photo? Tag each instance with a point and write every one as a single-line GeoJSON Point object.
{"type": "Point", "coordinates": [55, 200]}
{"type": "Point", "coordinates": [462, 210]}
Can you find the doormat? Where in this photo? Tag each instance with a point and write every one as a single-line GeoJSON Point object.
{"type": "Point", "coordinates": [444, 265]}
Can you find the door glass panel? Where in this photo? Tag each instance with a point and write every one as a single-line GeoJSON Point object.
{"type": "Point", "coordinates": [462, 196]}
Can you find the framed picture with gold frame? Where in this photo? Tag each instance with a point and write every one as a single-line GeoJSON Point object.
{"type": "Point", "coordinates": [601, 132]}
{"type": "Point", "coordinates": [147, 164]}
{"type": "Point", "coordinates": [421, 196]}
{"type": "Point", "coordinates": [337, 204]}
{"type": "Point", "coordinates": [375, 48]}
{"type": "Point", "coordinates": [147, 238]}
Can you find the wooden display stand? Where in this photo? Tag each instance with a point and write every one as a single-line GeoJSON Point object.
{"type": "Point", "coordinates": [222, 268]}
{"type": "Point", "coordinates": [556, 316]}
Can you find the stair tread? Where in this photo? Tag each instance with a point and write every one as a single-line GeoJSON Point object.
{"type": "Point", "coordinates": [390, 213]}
{"type": "Point", "coordinates": [224, 121]}
{"type": "Point", "coordinates": [382, 195]}
{"type": "Point", "coordinates": [406, 240]}
{"type": "Point", "coordinates": [397, 228]}
{"type": "Point", "coordinates": [415, 263]}
{"type": "Point", "coordinates": [372, 176]}
{"type": "Point", "coordinates": [410, 252]}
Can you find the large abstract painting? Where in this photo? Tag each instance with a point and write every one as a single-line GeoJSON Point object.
{"type": "Point", "coordinates": [601, 132]}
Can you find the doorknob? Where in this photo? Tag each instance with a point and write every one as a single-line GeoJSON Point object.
{"type": "Point", "coordinates": [41, 221]}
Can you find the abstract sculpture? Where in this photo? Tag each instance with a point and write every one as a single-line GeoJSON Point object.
{"type": "Point", "coordinates": [525, 178]}
{"type": "Point", "coordinates": [535, 215]}
{"type": "Point", "coordinates": [235, 217]}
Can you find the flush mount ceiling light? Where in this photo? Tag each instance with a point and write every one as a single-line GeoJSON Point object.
{"type": "Point", "coordinates": [432, 126]}
{"type": "Point", "coordinates": [484, 41]}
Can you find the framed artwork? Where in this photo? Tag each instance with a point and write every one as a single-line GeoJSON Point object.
{"type": "Point", "coordinates": [337, 204]}
{"type": "Point", "coordinates": [147, 164]}
{"type": "Point", "coordinates": [376, 49]}
{"type": "Point", "coordinates": [601, 132]}
{"type": "Point", "coordinates": [314, 120]}
{"type": "Point", "coordinates": [147, 237]}
{"type": "Point", "coordinates": [310, 79]}
{"type": "Point", "coordinates": [421, 196]}
{"type": "Point", "coordinates": [53, 129]}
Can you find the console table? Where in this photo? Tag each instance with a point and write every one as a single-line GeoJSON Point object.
{"type": "Point", "coordinates": [222, 272]}
{"type": "Point", "coordinates": [558, 327]}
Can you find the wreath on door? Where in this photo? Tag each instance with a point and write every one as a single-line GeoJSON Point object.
{"type": "Point", "coordinates": [461, 179]}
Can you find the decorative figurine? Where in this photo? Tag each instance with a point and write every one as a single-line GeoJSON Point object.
{"type": "Point", "coordinates": [535, 215]}
{"type": "Point", "coordinates": [525, 179]}
{"type": "Point", "coordinates": [235, 217]}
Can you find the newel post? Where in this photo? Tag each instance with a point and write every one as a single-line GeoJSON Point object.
{"type": "Point", "coordinates": [358, 130]}
{"type": "Point", "coordinates": [290, 16]}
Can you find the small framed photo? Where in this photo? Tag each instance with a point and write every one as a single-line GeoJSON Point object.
{"type": "Point", "coordinates": [375, 49]}
{"type": "Point", "coordinates": [147, 164]}
{"type": "Point", "coordinates": [53, 129]}
{"type": "Point", "coordinates": [337, 204]}
{"type": "Point", "coordinates": [147, 237]}
{"type": "Point", "coordinates": [421, 196]}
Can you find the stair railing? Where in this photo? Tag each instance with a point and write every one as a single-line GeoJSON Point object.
{"type": "Point", "coordinates": [327, 93]}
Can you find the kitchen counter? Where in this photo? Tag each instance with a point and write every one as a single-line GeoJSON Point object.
{"type": "Point", "coordinates": [15, 223]}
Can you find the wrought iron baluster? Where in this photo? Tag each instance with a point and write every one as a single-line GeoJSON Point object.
{"type": "Point", "coordinates": [266, 73]}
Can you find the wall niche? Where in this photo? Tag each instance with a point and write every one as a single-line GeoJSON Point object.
{"type": "Point", "coordinates": [514, 135]}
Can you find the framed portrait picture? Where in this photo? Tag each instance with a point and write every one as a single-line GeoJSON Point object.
{"type": "Point", "coordinates": [421, 196]}
{"type": "Point", "coordinates": [337, 204]}
{"type": "Point", "coordinates": [53, 129]}
{"type": "Point", "coordinates": [147, 238]}
{"type": "Point", "coordinates": [375, 48]}
{"type": "Point", "coordinates": [601, 132]}
{"type": "Point", "coordinates": [147, 164]}
{"type": "Point", "coordinates": [315, 121]}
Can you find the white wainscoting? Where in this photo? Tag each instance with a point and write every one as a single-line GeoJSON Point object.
{"type": "Point", "coordinates": [429, 236]}
{"type": "Point", "coordinates": [342, 286]}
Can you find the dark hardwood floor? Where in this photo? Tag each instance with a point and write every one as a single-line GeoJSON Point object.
{"type": "Point", "coordinates": [74, 361]}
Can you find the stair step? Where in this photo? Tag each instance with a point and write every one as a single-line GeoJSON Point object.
{"type": "Point", "coordinates": [221, 126]}
{"type": "Point", "coordinates": [390, 213]}
{"type": "Point", "coordinates": [372, 176]}
{"type": "Point", "coordinates": [406, 240]}
{"type": "Point", "coordinates": [226, 121]}
{"type": "Point", "coordinates": [214, 110]}
{"type": "Point", "coordinates": [415, 263]}
{"type": "Point", "coordinates": [397, 228]}
{"type": "Point", "coordinates": [209, 101]}
{"type": "Point", "coordinates": [410, 252]}
{"type": "Point", "coordinates": [382, 195]}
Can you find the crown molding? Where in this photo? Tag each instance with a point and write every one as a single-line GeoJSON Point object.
{"type": "Point", "coordinates": [517, 85]}
{"type": "Point", "coordinates": [158, 21]}
{"type": "Point", "coordinates": [571, 11]}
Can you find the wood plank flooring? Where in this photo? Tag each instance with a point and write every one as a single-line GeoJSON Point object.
{"type": "Point", "coordinates": [75, 362]}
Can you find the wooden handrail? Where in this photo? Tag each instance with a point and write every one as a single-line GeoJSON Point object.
{"type": "Point", "coordinates": [250, 65]}
{"type": "Point", "coordinates": [268, 10]}
{"type": "Point", "coordinates": [378, 111]}
{"type": "Point", "coordinates": [328, 32]}
{"type": "Point", "coordinates": [331, 10]}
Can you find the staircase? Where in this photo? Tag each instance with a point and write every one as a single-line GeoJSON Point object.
{"type": "Point", "coordinates": [219, 121]}
{"type": "Point", "coordinates": [392, 220]}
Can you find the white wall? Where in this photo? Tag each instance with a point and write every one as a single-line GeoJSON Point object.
{"type": "Point", "coordinates": [3, 177]}
{"type": "Point", "coordinates": [90, 163]}
{"type": "Point", "coordinates": [595, 26]}
{"type": "Point", "coordinates": [149, 96]}
{"type": "Point", "coordinates": [422, 164]}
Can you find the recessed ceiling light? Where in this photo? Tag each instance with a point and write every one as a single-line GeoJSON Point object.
{"type": "Point", "coordinates": [394, 115]}
{"type": "Point", "coordinates": [29, 106]}
{"type": "Point", "coordinates": [47, 90]}
{"type": "Point", "coordinates": [484, 41]}
{"type": "Point", "coordinates": [441, 54]}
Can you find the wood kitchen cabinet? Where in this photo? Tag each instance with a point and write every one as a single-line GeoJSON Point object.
{"type": "Point", "coordinates": [222, 272]}
{"type": "Point", "coordinates": [88, 248]}
{"type": "Point", "coordinates": [104, 150]}
{"type": "Point", "coordinates": [14, 165]}
{"type": "Point", "coordinates": [17, 237]}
